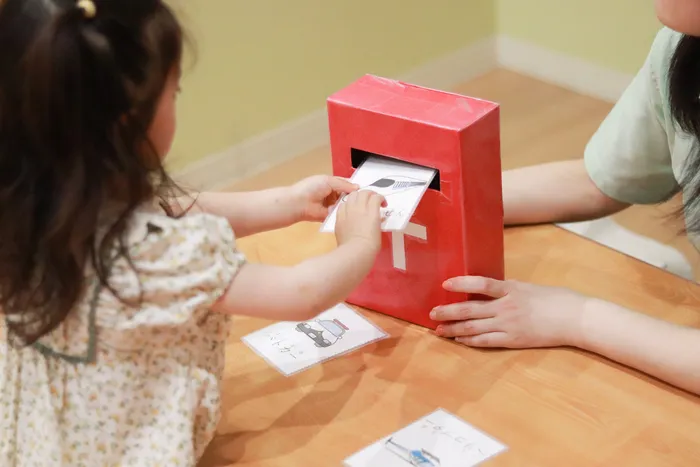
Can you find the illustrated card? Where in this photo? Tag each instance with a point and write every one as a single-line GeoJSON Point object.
{"type": "Point", "coordinates": [295, 346]}
{"type": "Point", "coordinates": [439, 439]}
{"type": "Point", "coordinates": [401, 183]}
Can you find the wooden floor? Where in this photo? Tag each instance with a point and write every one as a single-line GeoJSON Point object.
{"type": "Point", "coordinates": [540, 123]}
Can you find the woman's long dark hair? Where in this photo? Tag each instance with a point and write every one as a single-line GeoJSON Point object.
{"type": "Point", "coordinates": [684, 97]}
{"type": "Point", "coordinates": [77, 97]}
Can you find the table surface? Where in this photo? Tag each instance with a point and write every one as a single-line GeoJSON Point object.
{"type": "Point", "coordinates": [551, 407]}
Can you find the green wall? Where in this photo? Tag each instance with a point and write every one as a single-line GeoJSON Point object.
{"type": "Point", "coordinates": [264, 62]}
{"type": "Point", "coordinates": [615, 34]}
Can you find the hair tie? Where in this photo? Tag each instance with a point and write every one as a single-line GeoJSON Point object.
{"type": "Point", "coordinates": [88, 8]}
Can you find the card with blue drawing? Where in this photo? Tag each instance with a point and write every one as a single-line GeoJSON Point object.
{"type": "Point", "coordinates": [439, 439]}
{"type": "Point", "coordinates": [401, 183]}
{"type": "Point", "coordinates": [295, 346]}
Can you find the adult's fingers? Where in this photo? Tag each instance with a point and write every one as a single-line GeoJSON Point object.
{"type": "Point", "coordinates": [470, 327]}
{"type": "Point", "coordinates": [463, 310]}
{"type": "Point", "coordinates": [489, 339]}
{"type": "Point", "coordinates": [477, 285]}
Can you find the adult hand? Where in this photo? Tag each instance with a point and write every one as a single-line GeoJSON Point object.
{"type": "Point", "coordinates": [314, 196]}
{"type": "Point", "coordinates": [519, 316]}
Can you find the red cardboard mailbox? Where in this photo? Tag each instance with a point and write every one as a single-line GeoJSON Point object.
{"type": "Point", "coordinates": [457, 228]}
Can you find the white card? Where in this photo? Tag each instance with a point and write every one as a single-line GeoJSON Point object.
{"type": "Point", "coordinates": [402, 184]}
{"type": "Point", "coordinates": [294, 346]}
{"type": "Point", "coordinates": [437, 440]}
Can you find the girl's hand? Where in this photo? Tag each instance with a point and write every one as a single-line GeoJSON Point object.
{"type": "Point", "coordinates": [360, 218]}
{"type": "Point", "coordinates": [520, 316]}
{"type": "Point", "coordinates": [314, 196]}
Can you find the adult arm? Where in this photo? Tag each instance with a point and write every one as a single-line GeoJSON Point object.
{"type": "Point", "coordinates": [667, 351]}
{"type": "Point", "coordinates": [554, 192]}
{"type": "Point", "coordinates": [627, 161]}
{"type": "Point", "coordinates": [522, 315]}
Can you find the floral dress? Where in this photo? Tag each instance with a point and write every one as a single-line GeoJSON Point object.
{"type": "Point", "coordinates": [118, 385]}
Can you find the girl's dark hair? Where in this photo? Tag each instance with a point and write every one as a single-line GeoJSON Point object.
{"type": "Point", "coordinates": [77, 98]}
{"type": "Point", "coordinates": [684, 97]}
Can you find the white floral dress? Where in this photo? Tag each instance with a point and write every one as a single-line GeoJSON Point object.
{"type": "Point", "coordinates": [116, 385]}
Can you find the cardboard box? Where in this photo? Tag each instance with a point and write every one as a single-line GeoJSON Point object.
{"type": "Point", "coordinates": [457, 228]}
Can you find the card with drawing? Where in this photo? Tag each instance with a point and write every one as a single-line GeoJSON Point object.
{"type": "Point", "coordinates": [401, 183]}
{"type": "Point", "coordinates": [295, 346]}
{"type": "Point", "coordinates": [439, 439]}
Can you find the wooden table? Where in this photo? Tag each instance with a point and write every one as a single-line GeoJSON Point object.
{"type": "Point", "coordinates": [552, 407]}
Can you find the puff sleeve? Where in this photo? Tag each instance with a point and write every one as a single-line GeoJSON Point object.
{"type": "Point", "coordinates": [179, 269]}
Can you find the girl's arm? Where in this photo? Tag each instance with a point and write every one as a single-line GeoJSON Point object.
{"type": "Point", "coordinates": [274, 208]}
{"type": "Point", "coordinates": [664, 350]}
{"type": "Point", "coordinates": [303, 291]}
{"type": "Point", "coordinates": [298, 292]}
{"type": "Point", "coordinates": [251, 212]}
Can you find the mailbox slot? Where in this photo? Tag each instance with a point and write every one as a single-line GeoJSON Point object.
{"type": "Point", "coordinates": [358, 156]}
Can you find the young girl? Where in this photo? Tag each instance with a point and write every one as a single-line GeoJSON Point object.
{"type": "Point", "coordinates": [115, 299]}
{"type": "Point", "coordinates": [646, 151]}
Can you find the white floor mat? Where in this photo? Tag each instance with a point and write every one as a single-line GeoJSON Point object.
{"type": "Point", "coordinates": [611, 234]}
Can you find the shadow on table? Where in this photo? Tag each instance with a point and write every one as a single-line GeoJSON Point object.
{"type": "Point", "coordinates": [308, 416]}
{"type": "Point", "coordinates": [268, 416]}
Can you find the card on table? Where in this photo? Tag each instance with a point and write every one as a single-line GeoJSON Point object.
{"type": "Point", "coordinates": [295, 346]}
{"type": "Point", "coordinates": [439, 439]}
{"type": "Point", "coordinates": [401, 183]}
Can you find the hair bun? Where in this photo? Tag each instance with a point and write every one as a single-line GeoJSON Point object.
{"type": "Point", "coordinates": [88, 8]}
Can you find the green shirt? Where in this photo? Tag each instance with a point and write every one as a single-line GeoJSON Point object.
{"type": "Point", "coordinates": [637, 154]}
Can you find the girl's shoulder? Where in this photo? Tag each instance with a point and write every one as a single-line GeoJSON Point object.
{"type": "Point", "coordinates": [178, 252]}
{"type": "Point", "coordinates": [151, 227]}
{"type": "Point", "coordinates": [167, 273]}
{"type": "Point", "coordinates": [161, 248]}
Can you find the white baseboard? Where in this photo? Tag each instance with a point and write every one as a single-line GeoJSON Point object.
{"type": "Point", "coordinates": [560, 69]}
{"type": "Point", "coordinates": [302, 135]}
{"type": "Point", "coordinates": [311, 131]}
{"type": "Point", "coordinates": [455, 68]}
{"type": "Point", "coordinates": [256, 154]}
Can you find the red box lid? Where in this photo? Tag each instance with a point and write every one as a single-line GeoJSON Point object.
{"type": "Point", "coordinates": [410, 102]}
